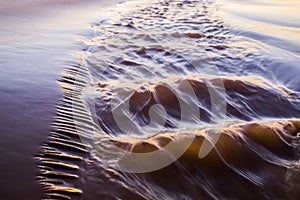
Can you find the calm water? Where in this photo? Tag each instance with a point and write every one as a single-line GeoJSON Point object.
{"type": "Point", "coordinates": [154, 100]}
{"type": "Point", "coordinates": [38, 40]}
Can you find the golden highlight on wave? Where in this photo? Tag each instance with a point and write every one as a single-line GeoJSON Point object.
{"type": "Point", "coordinates": [251, 160]}
{"type": "Point", "coordinates": [254, 159]}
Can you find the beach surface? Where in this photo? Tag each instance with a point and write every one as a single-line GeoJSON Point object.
{"type": "Point", "coordinates": [80, 78]}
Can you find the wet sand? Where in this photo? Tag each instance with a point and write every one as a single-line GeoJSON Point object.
{"type": "Point", "coordinates": [38, 40]}
{"type": "Point", "coordinates": [128, 90]}
{"type": "Point", "coordinates": [42, 43]}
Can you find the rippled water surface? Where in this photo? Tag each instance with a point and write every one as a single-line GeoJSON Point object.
{"type": "Point", "coordinates": [180, 99]}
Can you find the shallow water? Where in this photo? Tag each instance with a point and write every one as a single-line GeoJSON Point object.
{"type": "Point", "coordinates": [37, 41]}
{"type": "Point", "coordinates": [179, 100]}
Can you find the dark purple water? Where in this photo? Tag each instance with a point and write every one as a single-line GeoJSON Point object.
{"type": "Point", "coordinates": [150, 100]}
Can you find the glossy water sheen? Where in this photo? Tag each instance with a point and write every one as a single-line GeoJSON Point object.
{"type": "Point", "coordinates": [146, 53]}
{"type": "Point", "coordinates": [37, 40]}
